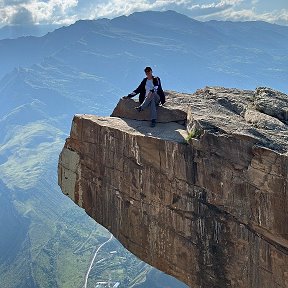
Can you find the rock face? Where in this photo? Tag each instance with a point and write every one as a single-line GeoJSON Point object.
{"type": "Point", "coordinates": [206, 202]}
{"type": "Point", "coordinates": [171, 113]}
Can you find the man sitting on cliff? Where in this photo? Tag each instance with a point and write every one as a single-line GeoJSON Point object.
{"type": "Point", "coordinates": [151, 94]}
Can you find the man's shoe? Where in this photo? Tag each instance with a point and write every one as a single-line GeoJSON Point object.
{"type": "Point", "coordinates": [139, 108]}
{"type": "Point", "coordinates": [153, 123]}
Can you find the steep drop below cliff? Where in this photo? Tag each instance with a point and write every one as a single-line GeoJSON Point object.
{"type": "Point", "coordinates": [202, 196]}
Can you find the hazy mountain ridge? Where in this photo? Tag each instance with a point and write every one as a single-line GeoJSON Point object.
{"type": "Point", "coordinates": [30, 50]}
{"type": "Point", "coordinates": [196, 44]}
{"type": "Point", "coordinates": [16, 31]}
{"type": "Point", "coordinates": [85, 68]}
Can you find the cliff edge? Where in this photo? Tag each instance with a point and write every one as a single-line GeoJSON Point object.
{"type": "Point", "coordinates": [202, 196]}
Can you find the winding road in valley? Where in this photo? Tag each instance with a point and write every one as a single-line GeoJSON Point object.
{"type": "Point", "coordinates": [93, 259]}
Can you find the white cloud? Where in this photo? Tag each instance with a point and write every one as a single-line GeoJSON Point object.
{"type": "Point", "coordinates": [51, 11]}
{"type": "Point", "coordinates": [22, 16]}
{"type": "Point", "coordinates": [68, 11]}
{"type": "Point", "coordinates": [118, 7]}
{"type": "Point", "coordinates": [211, 8]}
{"type": "Point", "coordinates": [276, 16]}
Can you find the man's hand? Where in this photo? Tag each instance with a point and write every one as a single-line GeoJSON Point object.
{"type": "Point", "coordinates": [130, 95]}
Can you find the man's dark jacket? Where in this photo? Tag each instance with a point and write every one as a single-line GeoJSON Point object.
{"type": "Point", "coordinates": [141, 89]}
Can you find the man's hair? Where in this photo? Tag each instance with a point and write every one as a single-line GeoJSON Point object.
{"type": "Point", "coordinates": [147, 69]}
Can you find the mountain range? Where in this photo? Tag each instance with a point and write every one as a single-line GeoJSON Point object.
{"type": "Point", "coordinates": [16, 31]}
{"type": "Point", "coordinates": [85, 68]}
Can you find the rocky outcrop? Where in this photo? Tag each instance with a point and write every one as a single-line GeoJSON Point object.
{"type": "Point", "coordinates": [171, 113]}
{"type": "Point", "coordinates": [203, 198]}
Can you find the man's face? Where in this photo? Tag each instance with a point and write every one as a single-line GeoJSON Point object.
{"type": "Point", "coordinates": [148, 72]}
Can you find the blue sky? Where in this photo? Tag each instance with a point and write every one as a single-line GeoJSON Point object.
{"type": "Point", "coordinates": [68, 11]}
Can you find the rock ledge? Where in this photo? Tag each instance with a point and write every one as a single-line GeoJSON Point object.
{"type": "Point", "coordinates": [205, 202]}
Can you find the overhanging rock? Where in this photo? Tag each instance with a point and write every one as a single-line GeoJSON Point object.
{"type": "Point", "coordinates": [206, 203]}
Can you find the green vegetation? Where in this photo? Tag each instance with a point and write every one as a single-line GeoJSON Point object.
{"type": "Point", "coordinates": [57, 246]}
{"type": "Point", "coordinates": [195, 133]}
{"type": "Point", "coordinates": [48, 241]}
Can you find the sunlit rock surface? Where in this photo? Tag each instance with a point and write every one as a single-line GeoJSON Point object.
{"type": "Point", "coordinates": [203, 198]}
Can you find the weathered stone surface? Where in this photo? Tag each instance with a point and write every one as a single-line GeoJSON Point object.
{"type": "Point", "coordinates": [272, 103]}
{"type": "Point", "coordinates": [210, 210]}
{"type": "Point", "coordinates": [168, 113]}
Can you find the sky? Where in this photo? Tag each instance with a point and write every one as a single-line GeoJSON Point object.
{"type": "Point", "coordinates": [64, 12]}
